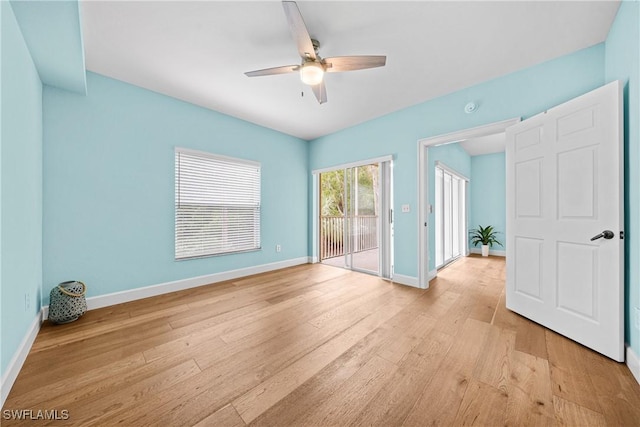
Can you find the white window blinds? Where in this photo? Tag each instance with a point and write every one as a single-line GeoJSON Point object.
{"type": "Point", "coordinates": [217, 204]}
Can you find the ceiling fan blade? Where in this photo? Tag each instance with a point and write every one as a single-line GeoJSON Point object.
{"type": "Point", "coordinates": [271, 71]}
{"type": "Point", "coordinates": [320, 91]}
{"type": "Point", "coordinates": [351, 63]}
{"type": "Point", "coordinates": [299, 30]}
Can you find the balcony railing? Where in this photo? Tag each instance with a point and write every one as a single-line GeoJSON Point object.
{"type": "Point", "coordinates": [364, 234]}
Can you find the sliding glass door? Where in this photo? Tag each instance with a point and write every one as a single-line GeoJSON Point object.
{"type": "Point", "coordinates": [355, 218]}
{"type": "Point", "coordinates": [450, 215]}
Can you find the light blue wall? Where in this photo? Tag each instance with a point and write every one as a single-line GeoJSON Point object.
{"type": "Point", "coordinates": [109, 186]}
{"type": "Point", "coordinates": [21, 187]}
{"type": "Point", "coordinates": [456, 158]}
{"type": "Point", "coordinates": [622, 58]}
{"type": "Point", "coordinates": [487, 194]}
{"type": "Point", "coordinates": [53, 33]}
{"type": "Point", "coordinates": [523, 93]}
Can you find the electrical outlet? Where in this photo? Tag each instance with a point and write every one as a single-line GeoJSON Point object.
{"type": "Point", "coordinates": [27, 301]}
{"type": "Point", "coordinates": [406, 208]}
{"type": "Point", "coordinates": [637, 310]}
{"type": "Point", "coordinates": [278, 248]}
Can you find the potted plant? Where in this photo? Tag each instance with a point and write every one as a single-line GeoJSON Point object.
{"type": "Point", "coordinates": [486, 236]}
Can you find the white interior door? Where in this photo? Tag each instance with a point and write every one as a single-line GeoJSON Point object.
{"type": "Point", "coordinates": [565, 188]}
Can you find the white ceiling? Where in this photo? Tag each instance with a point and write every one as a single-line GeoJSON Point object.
{"type": "Point", "coordinates": [485, 144]}
{"type": "Point", "coordinates": [198, 51]}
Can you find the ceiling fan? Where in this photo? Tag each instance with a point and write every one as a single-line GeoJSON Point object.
{"type": "Point", "coordinates": [313, 67]}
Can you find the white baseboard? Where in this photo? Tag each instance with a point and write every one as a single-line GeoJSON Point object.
{"type": "Point", "coordinates": [13, 369]}
{"type": "Point", "coordinates": [405, 280]}
{"type": "Point", "coordinates": [411, 280]}
{"type": "Point", "coordinates": [313, 260]}
{"type": "Point", "coordinates": [633, 363]}
{"type": "Point", "coordinates": [491, 252]}
{"type": "Point", "coordinates": [179, 285]}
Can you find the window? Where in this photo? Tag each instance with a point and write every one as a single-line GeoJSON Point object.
{"type": "Point", "coordinates": [217, 204]}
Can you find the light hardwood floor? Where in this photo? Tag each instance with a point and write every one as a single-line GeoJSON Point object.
{"type": "Point", "coordinates": [317, 345]}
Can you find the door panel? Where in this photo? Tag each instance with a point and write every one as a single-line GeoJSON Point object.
{"type": "Point", "coordinates": [564, 185]}
{"type": "Point", "coordinates": [363, 223]}
{"type": "Point", "coordinates": [529, 188]}
{"type": "Point", "coordinates": [528, 263]}
{"type": "Point", "coordinates": [577, 265]}
{"type": "Point", "coordinates": [582, 120]}
{"type": "Point", "coordinates": [439, 228]}
{"type": "Point", "coordinates": [577, 183]}
{"type": "Point", "coordinates": [527, 137]}
{"type": "Point", "coordinates": [447, 217]}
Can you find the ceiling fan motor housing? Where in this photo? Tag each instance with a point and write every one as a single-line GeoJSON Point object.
{"type": "Point", "coordinates": [311, 72]}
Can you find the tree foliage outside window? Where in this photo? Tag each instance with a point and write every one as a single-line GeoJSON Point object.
{"type": "Point", "coordinates": [366, 190]}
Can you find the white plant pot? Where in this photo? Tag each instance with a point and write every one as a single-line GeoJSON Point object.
{"type": "Point", "coordinates": [485, 250]}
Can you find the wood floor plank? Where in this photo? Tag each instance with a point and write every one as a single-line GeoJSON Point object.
{"type": "Point", "coordinates": [196, 320]}
{"type": "Point", "coordinates": [318, 345]}
{"type": "Point", "coordinates": [530, 399]}
{"type": "Point", "coordinates": [97, 332]}
{"type": "Point", "coordinates": [494, 367]}
{"type": "Point", "coordinates": [482, 405]}
{"type": "Point", "coordinates": [613, 391]}
{"type": "Point", "coordinates": [571, 414]}
{"type": "Point", "coordinates": [227, 417]}
{"type": "Point", "coordinates": [530, 337]}
{"type": "Point", "coordinates": [49, 330]}
{"type": "Point", "coordinates": [437, 305]}
{"type": "Point", "coordinates": [570, 376]}
{"type": "Point", "coordinates": [452, 321]}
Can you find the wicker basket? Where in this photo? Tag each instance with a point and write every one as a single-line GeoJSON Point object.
{"type": "Point", "coordinates": [67, 302]}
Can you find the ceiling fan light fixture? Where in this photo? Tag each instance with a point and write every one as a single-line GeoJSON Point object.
{"type": "Point", "coordinates": [311, 73]}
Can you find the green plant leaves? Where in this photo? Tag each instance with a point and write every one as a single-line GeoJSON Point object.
{"type": "Point", "coordinates": [484, 236]}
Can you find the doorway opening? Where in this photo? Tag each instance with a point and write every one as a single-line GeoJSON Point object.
{"type": "Point", "coordinates": [354, 224]}
{"type": "Point", "coordinates": [428, 258]}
